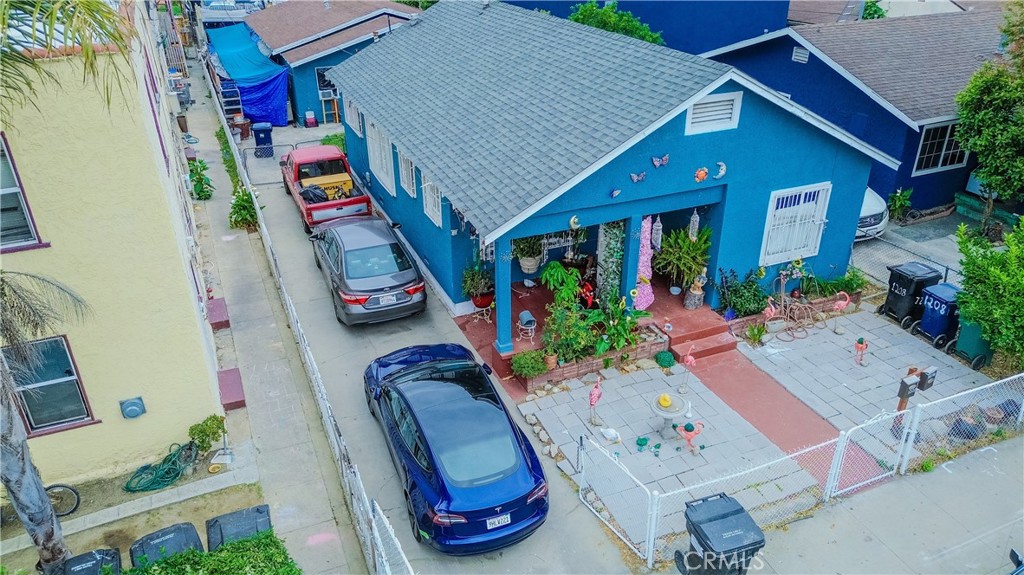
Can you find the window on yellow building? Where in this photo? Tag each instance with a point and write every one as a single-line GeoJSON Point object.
{"type": "Point", "coordinates": [16, 226]}
{"type": "Point", "coordinates": [50, 393]}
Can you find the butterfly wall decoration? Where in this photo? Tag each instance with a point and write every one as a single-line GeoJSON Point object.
{"type": "Point", "coordinates": [638, 177]}
{"type": "Point", "coordinates": [659, 162]}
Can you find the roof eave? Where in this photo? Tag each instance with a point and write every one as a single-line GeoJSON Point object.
{"type": "Point", "coordinates": [354, 22]}
{"type": "Point", "coordinates": [334, 49]}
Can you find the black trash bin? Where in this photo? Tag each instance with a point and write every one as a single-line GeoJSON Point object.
{"type": "Point", "coordinates": [93, 562]}
{"type": "Point", "coordinates": [264, 141]}
{"type": "Point", "coordinates": [906, 282]}
{"type": "Point", "coordinates": [723, 537]}
{"type": "Point", "coordinates": [164, 543]}
{"type": "Point", "coordinates": [236, 525]}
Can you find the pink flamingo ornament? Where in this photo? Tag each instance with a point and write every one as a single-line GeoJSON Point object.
{"type": "Point", "coordinates": [839, 307]}
{"type": "Point", "coordinates": [688, 432]}
{"type": "Point", "coordinates": [690, 362]}
{"type": "Point", "coordinates": [769, 310]}
{"type": "Point", "coordinates": [595, 396]}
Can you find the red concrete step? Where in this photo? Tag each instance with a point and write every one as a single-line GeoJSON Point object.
{"type": "Point", "coordinates": [705, 346]}
{"type": "Point", "coordinates": [217, 313]}
{"type": "Point", "coordinates": [232, 395]}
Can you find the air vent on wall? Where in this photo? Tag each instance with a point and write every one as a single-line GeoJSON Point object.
{"type": "Point", "coordinates": [801, 55]}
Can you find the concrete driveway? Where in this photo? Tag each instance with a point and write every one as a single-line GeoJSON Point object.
{"type": "Point", "coordinates": [572, 541]}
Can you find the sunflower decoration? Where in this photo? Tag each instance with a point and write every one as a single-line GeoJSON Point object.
{"type": "Point", "coordinates": [761, 273]}
{"type": "Point", "coordinates": [634, 292]}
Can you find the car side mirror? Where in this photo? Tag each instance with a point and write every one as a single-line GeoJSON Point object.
{"type": "Point", "coordinates": [282, 163]}
{"type": "Point", "coordinates": [376, 392]}
{"type": "Point", "coordinates": [487, 369]}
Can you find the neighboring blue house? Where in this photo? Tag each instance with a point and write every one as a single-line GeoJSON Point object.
{"type": "Point", "coordinates": [890, 82]}
{"type": "Point", "coordinates": [692, 26]}
{"type": "Point", "coordinates": [480, 122]}
{"type": "Point", "coordinates": [309, 37]}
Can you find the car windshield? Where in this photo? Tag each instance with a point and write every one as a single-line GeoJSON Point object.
{"type": "Point", "coordinates": [321, 168]}
{"type": "Point", "coordinates": [465, 425]}
{"type": "Point", "coordinates": [375, 261]}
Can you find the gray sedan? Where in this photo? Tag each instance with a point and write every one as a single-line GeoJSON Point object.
{"type": "Point", "coordinates": [371, 276]}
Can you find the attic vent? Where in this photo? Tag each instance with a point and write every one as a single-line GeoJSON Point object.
{"type": "Point", "coordinates": [800, 55]}
{"type": "Point", "coordinates": [715, 112]}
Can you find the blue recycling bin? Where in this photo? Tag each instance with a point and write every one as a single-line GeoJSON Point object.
{"type": "Point", "coordinates": [940, 318]}
{"type": "Point", "coordinates": [264, 141]}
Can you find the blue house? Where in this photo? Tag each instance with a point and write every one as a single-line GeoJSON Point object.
{"type": "Point", "coordinates": [480, 122]}
{"type": "Point", "coordinates": [890, 82]}
{"type": "Point", "coordinates": [309, 37]}
{"type": "Point", "coordinates": [692, 26]}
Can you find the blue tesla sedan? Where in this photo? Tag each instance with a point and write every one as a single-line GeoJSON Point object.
{"type": "Point", "coordinates": [471, 480]}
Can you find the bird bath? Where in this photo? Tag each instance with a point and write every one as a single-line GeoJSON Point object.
{"type": "Point", "coordinates": [668, 413]}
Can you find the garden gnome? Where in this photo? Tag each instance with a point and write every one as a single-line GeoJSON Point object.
{"type": "Point", "coordinates": [595, 396]}
{"type": "Point", "coordinates": [688, 432]}
{"type": "Point", "coordinates": [858, 351]}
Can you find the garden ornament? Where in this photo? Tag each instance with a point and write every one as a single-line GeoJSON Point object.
{"type": "Point", "coordinates": [839, 307]}
{"type": "Point", "coordinates": [858, 351]}
{"type": "Point", "coordinates": [610, 434]}
{"type": "Point", "coordinates": [690, 362]}
{"type": "Point", "coordinates": [595, 396]}
{"type": "Point", "coordinates": [688, 432]}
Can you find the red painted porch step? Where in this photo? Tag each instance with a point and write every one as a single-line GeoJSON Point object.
{"type": "Point", "coordinates": [705, 346]}
{"type": "Point", "coordinates": [217, 313]}
{"type": "Point", "coordinates": [232, 395]}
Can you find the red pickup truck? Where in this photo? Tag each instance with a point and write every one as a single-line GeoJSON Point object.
{"type": "Point", "coordinates": [319, 179]}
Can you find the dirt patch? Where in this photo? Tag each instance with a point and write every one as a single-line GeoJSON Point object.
{"type": "Point", "coordinates": [122, 533]}
{"type": "Point", "coordinates": [101, 494]}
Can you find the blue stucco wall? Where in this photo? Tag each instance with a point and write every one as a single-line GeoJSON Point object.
{"type": "Point", "coordinates": [825, 92]}
{"type": "Point", "coordinates": [692, 26]}
{"type": "Point", "coordinates": [304, 89]}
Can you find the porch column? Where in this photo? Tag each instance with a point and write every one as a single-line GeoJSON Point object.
{"type": "Point", "coordinates": [503, 293]}
{"type": "Point", "coordinates": [631, 255]}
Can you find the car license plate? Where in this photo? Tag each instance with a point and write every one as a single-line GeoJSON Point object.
{"type": "Point", "coordinates": [388, 299]}
{"type": "Point", "coordinates": [498, 521]}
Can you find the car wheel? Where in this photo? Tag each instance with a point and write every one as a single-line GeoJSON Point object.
{"type": "Point", "coordinates": [905, 323]}
{"type": "Point", "coordinates": [915, 328]}
{"type": "Point", "coordinates": [306, 228]}
{"type": "Point", "coordinates": [412, 520]}
{"type": "Point", "coordinates": [950, 347]}
{"type": "Point", "coordinates": [939, 341]}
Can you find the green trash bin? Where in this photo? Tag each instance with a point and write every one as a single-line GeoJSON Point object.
{"type": "Point", "coordinates": [970, 345]}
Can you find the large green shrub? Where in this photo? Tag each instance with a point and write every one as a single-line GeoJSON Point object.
{"type": "Point", "coordinates": [261, 554]}
{"type": "Point", "coordinates": [993, 294]}
{"type": "Point", "coordinates": [745, 297]}
{"type": "Point", "coordinates": [529, 363]}
{"type": "Point", "coordinates": [337, 139]}
{"type": "Point", "coordinates": [681, 258]}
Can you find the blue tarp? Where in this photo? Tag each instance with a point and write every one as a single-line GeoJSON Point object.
{"type": "Point", "coordinates": [263, 85]}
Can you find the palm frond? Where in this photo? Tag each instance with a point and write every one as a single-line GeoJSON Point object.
{"type": "Point", "coordinates": [31, 306]}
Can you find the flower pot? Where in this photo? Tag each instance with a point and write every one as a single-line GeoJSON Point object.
{"type": "Point", "coordinates": [483, 300]}
{"type": "Point", "coordinates": [692, 299]}
{"type": "Point", "coordinates": [529, 265]}
{"type": "Point", "coordinates": [551, 361]}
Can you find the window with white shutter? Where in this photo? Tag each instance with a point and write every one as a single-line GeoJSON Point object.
{"type": "Point", "coordinates": [407, 174]}
{"type": "Point", "coordinates": [352, 117]}
{"type": "Point", "coordinates": [382, 163]}
{"type": "Point", "coordinates": [795, 223]}
{"type": "Point", "coordinates": [713, 113]}
{"type": "Point", "coordinates": [432, 202]}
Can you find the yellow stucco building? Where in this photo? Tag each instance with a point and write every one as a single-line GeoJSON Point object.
{"type": "Point", "coordinates": [96, 198]}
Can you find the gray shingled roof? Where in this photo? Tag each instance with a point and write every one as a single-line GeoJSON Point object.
{"type": "Point", "coordinates": [917, 63]}
{"type": "Point", "coordinates": [500, 105]}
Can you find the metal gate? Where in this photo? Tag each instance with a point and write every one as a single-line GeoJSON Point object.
{"type": "Point", "coordinates": [868, 453]}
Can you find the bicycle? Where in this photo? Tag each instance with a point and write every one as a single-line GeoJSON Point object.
{"type": "Point", "coordinates": [65, 500]}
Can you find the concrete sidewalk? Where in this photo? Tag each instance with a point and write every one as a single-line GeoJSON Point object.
{"type": "Point", "coordinates": [296, 468]}
{"type": "Point", "coordinates": [963, 517]}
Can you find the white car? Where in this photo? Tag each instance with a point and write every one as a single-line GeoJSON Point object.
{"type": "Point", "coordinates": [874, 216]}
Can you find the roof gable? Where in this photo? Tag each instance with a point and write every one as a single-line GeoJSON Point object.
{"type": "Point", "coordinates": [287, 25]}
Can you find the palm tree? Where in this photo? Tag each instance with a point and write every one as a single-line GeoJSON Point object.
{"type": "Point", "coordinates": [31, 306]}
{"type": "Point", "coordinates": [32, 30]}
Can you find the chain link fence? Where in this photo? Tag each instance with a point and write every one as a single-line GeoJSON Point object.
{"type": "Point", "coordinates": [873, 257]}
{"type": "Point", "coordinates": [381, 549]}
{"type": "Point", "coordinates": [786, 489]}
{"type": "Point", "coordinates": [262, 164]}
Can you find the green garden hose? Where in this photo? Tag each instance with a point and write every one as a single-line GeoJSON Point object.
{"type": "Point", "coordinates": [153, 477]}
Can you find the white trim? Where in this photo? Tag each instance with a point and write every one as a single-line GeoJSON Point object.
{"type": "Point", "coordinates": [734, 75]}
{"type": "Point", "coordinates": [809, 245]}
{"type": "Point", "coordinates": [937, 120]}
{"type": "Point", "coordinates": [352, 116]}
{"type": "Point", "coordinates": [824, 58]}
{"type": "Point", "coordinates": [380, 152]}
{"type": "Point", "coordinates": [337, 48]}
{"type": "Point", "coordinates": [354, 22]}
{"type": "Point", "coordinates": [717, 125]}
{"type": "Point", "coordinates": [432, 206]}
{"type": "Point", "coordinates": [940, 168]}
{"type": "Point", "coordinates": [407, 178]}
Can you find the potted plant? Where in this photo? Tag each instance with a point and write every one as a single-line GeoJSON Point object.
{"type": "Point", "coordinates": [529, 251]}
{"type": "Point", "coordinates": [206, 432]}
{"type": "Point", "coordinates": [478, 284]}
{"type": "Point", "coordinates": [683, 260]}
{"type": "Point", "coordinates": [529, 364]}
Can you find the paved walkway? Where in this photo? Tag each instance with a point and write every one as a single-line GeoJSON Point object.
{"type": "Point", "coordinates": [820, 371]}
{"type": "Point", "coordinates": [296, 469]}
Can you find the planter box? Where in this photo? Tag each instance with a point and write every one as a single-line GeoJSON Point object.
{"type": "Point", "coordinates": [825, 304]}
{"type": "Point", "coordinates": [653, 342]}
